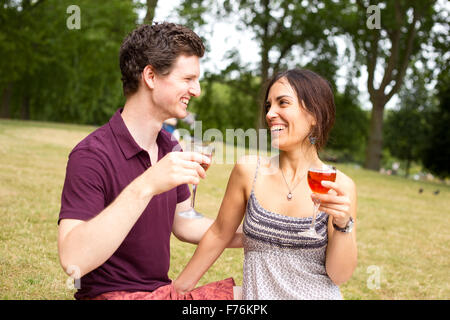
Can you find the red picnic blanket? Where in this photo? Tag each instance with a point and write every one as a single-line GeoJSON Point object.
{"type": "Point", "coordinates": [219, 290]}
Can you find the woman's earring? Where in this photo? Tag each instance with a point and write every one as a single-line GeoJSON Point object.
{"type": "Point", "coordinates": [312, 140]}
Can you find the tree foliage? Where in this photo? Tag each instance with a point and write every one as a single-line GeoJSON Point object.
{"type": "Point", "coordinates": [388, 50]}
{"type": "Point", "coordinates": [349, 134]}
{"type": "Point", "coordinates": [289, 34]}
{"type": "Point", "coordinates": [223, 105]}
{"type": "Point", "coordinates": [286, 32]}
{"type": "Point", "coordinates": [51, 72]}
{"type": "Point", "coordinates": [436, 151]}
{"type": "Point", "coordinates": [405, 128]}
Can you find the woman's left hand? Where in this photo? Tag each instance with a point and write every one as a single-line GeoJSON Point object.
{"type": "Point", "coordinates": [337, 204]}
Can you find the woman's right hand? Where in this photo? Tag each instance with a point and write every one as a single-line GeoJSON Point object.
{"type": "Point", "coordinates": [181, 288]}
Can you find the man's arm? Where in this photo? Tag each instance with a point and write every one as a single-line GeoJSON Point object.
{"type": "Point", "coordinates": [88, 244]}
{"type": "Point", "coordinates": [192, 230]}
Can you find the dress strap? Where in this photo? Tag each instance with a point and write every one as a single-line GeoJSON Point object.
{"type": "Point", "coordinates": [256, 174]}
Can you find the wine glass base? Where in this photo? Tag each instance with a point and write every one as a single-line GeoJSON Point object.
{"type": "Point", "coordinates": [311, 233]}
{"type": "Point", "coordinates": [190, 214]}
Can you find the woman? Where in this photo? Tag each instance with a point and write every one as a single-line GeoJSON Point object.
{"type": "Point", "coordinates": [277, 204]}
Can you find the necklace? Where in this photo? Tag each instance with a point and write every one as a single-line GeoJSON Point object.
{"type": "Point", "coordinates": [289, 195]}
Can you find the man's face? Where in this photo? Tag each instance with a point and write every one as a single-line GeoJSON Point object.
{"type": "Point", "coordinates": [173, 91]}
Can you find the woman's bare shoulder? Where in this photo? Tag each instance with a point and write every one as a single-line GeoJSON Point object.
{"type": "Point", "coordinates": [246, 165]}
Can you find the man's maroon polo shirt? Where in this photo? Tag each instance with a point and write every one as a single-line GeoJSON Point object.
{"type": "Point", "coordinates": [99, 168]}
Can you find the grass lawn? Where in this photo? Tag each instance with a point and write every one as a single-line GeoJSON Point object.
{"type": "Point", "coordinates": [403, 245]}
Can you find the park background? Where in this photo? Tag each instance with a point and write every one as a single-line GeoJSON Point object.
{"type": "Point", "coordinates": [60, 80]}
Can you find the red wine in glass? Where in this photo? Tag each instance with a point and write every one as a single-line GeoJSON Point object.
{"type": "Point", "coordinates": [207, 149]}
{"type": "Point", "coordinates": [315, 177]}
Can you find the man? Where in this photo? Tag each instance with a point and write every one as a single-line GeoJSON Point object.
{"type": "Point", "coordinates": [126, 181]}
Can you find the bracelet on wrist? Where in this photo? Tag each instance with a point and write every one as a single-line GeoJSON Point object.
{"type": "Point", "coordinates": [347, 229]}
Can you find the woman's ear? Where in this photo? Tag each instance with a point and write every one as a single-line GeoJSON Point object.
{"type": "Point", "coordinates": [148, 76]}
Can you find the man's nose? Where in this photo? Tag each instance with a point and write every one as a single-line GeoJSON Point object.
{"type": "Point", "coordinates": [195, 89]}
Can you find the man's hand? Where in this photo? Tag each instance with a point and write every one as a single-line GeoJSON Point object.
{"type": "Point", "coordinates": [174, 169]}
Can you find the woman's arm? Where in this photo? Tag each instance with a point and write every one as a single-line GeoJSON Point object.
{"type": "Point", "coordinates": [341, 258]}
{"type": "Point", "coordinates": [221, 232]}
{"type": "Point", "coordinates": [192, 230]}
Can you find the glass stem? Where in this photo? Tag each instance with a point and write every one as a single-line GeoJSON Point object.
{"type": "Point", "coordinates": [194, 191]}
{"type": "Point", "coordinates": [316, 209]}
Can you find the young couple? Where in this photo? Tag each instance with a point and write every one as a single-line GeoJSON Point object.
{"type": "Point", "coordinates": [124, 186]}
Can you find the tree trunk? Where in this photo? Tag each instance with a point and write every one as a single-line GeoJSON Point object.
{"type": "Point", "coordinates": [408, 166]}
{"type": "Point", "coordinates": [265, 44]}
{"type": "Point", "coordinates": [151, 7]}
{"type": "Point", "coordinates": [6, 101]}
{"type": "Point", "coordinates": [375, 143]}
{"type": "Point", "coordinates": [25, 108]}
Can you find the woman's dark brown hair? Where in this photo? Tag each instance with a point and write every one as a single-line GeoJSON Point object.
{"type": "Point", "coordinates": [158, 45]}
{"type": "Point", "coordinates": [317, 95]}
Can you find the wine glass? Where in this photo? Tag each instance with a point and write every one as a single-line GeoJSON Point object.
{"type": "Point", "coordinates": [207, 149]}
{"type": "Point", "coordinates": [316, 175]}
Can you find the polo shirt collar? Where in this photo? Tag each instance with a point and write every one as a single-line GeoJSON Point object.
{"type": "Point", "coordinates": [127, 144]}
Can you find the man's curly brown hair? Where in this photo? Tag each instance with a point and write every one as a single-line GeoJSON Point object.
{"type": "Point", "coordinates": [158, 45]}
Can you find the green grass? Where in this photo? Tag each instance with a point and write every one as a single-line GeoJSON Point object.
{"type": "Point", "coordinates": [399, 231]}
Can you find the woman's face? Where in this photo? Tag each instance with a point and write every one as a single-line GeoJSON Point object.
{"type": "Point", "coordinates": [287, 118]}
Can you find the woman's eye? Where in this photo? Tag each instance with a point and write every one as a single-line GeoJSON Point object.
{"type": "Point", "coordinates": [267, 107]}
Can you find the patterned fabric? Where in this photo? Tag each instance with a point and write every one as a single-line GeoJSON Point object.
{"type": "Point", "coordinates": [278, 262]}
{"type": "Point", "coordinates": [219, 290]}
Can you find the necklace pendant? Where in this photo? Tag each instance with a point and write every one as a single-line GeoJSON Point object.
{"type": "Point", "coordinates": [289, 196]}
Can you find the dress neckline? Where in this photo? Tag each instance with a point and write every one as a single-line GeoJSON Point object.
{"type": "Point", "coordinates": [309, 218]}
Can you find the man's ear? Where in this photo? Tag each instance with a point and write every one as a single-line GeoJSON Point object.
{"type": "Point", "coordinates": [148, 76]}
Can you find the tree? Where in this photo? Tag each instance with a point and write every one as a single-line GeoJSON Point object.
{"type": "Point", "coordinates": [222, 104]}
{"type": "Point", "coordinates": [52, 72]}
{"type": "Point", "coordinates": [405, 129]}
{"type": "Point", "coordinates": [386, 51]}
{"type": "Point", "coordinates": [289, 34]}
{"type": "Point", "coordinates": [404, 132]}
{"type": "Point", "coordinates": [20, 36]}
{"type": "Point", "coordinates": [418, 130]}
{"type": "Point", "coordinates": [284, 28]}
{"type": "Point", "coordinates": [436, 152]}
{"type": "Point", "coordinates": [151, 7]}
{"type": "Point", "coordinates": [349, 134]}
